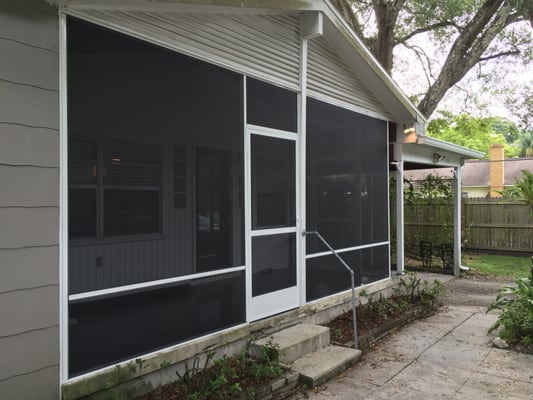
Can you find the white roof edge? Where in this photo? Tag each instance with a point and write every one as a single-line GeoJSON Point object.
{"type": "Point", "coordinates": [463, 152]}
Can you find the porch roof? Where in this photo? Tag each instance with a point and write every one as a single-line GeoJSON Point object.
{"type": "Point", "coordinates": [436, 153]}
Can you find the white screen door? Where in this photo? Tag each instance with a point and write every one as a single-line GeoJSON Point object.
{"type": "Point", "coordinates": [272, 229]}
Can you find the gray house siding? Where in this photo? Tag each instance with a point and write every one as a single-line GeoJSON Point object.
{"type": "Point", "coordinates": [29, 200]}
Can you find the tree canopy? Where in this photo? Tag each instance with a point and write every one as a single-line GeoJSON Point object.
{"type": "Point", "coordinates": [522, 190]}
{"type": "Point", "coordinates": [470, 32]}
{"type": "Point", "coordinates": [475, 132]}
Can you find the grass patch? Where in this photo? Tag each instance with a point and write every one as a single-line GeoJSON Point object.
{"type": "Point", "coordinates": [491, 264]}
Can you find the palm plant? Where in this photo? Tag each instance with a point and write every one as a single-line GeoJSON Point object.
{"type": "Point", "coordinates": [525, 142]}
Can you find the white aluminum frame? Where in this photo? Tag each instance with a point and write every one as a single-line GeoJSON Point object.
{"type": "Point", "coordinates": [63, 202]}
{"type": "Point", "coordinates": [281, 300]}
{"type": "Point", "coordinates": [347, 249]}
{"type": "Point", "coordinates": [301, 148]}
{"type": "Point", "coordinates": [151, 284]}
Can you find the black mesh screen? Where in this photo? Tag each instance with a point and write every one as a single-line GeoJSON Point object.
{"type": "Point", "coordinates": [347, 191]}
{"type": "Point", "coordinates": [273, 182]}
{"type": "Point", "coordinates": [326, 275]}
{"type": "Point", "coordinates": [156, 161]}
{"type": "Point", "coordinates": [82, 213]}
{"type": "Point", "coordinates": [106, 331]}
{"type": "Point", "coordinates": [347, 196]}
{"type": "Point", "coordinates": [131, 212]}
{"type": "Point", "coordinates": [273, 263]}
{"type": "Point", "coordinates": [156, 166]}
{"type": "Point", "coordinates": [271, 106]}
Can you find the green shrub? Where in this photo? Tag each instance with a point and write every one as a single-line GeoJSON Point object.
{"type": "Point", "coordinates": [516, 319]}
{"type": "Point", "coordinates": [414, 289]}
{"type": "Point", "coordinates": [221, 379]}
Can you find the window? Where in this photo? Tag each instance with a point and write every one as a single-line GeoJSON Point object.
{"type": "Point", "coordinates": [114, 188]}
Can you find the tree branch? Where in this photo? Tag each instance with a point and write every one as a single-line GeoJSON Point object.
{"type": "Point", "coordinates": [467, 50]}
{"type": "Point", "coordinates": [428, 28]}
{"type": "Point", "coordinates": [421, 55]}
{"type": "Point", "coordinates": [502, 54]}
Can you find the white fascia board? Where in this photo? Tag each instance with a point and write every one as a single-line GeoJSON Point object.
{"type": "Point", "coordinates": [463, 152]}
{"type": "Point", "coordinates": [206, 6]}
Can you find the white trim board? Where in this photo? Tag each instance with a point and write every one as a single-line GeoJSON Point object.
{"type": "Point", "coordinates": [151, 284]}
{"type": "Point", "coordinates": [346, 249]}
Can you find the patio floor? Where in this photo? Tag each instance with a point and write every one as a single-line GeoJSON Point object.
{"type": "Point", "coordinates": [445, 356]}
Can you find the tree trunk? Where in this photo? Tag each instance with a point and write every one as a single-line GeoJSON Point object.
{"type": "Point", "coordinates": [386, 17]}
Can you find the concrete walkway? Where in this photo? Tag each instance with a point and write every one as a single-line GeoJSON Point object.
{"type": "Point", "coordinates": [445, 356]}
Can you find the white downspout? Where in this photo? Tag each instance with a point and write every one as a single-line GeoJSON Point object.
{"type": "Point", "coordinates": [457, 221]}
{"type": "Point", "coordinates": [399, 209]}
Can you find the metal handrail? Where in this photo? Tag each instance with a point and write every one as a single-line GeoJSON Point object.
{"type": "Point", "coordinates": [352, 275]}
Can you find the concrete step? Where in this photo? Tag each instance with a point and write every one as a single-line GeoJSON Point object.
{"type": "Point", "coordinates": [323, 364]}
{"type": "Point", "coordinates": [294, 342]}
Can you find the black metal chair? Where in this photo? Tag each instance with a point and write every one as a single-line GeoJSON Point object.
{"type": "Point", "coordinates": [426, 250]}
{"type": "Point", "coordinates": [446, 255]}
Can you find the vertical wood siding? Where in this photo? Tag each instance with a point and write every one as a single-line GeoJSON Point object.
{"type": "Point", "coordinates": [29, 212]}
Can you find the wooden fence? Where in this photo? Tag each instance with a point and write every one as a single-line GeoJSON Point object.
{"type": "Point", "coordinates": [497, 225]}
{"type": "Point", "coordinates": [487, 224]}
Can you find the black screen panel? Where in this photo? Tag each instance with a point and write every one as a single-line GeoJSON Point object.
{"type": "Point", "coordinates": [327, 276]}
{"type": "Point", "coordinates": [273, 182]}
{"type": "Point", "coordinates": [271, 106]}
{"type": "Point", "coordinates": [82, 213]}
{"type": "Point", "coordinates": [106, 331]}
{"type": "Point", "coordinates": [145, 124]}
{"type": "Point", "coordinates": [347, 188]}
{"type": "Point", "coordinates": [273, 263]}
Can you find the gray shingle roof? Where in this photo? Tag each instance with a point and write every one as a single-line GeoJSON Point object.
{"type": "Point", "coordinates": [476, 172]}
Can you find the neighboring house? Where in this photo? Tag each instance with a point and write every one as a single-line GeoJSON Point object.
{"type": "Point", "coordinates": [160, 163]}
{"type": "Point", "coordinates": [482, 178]}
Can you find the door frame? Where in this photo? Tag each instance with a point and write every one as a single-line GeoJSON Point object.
{"type": "Point", "coordinates": [286, 299]}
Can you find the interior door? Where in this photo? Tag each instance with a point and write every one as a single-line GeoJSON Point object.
{"type": "Point", "coordinates": [273, 239]}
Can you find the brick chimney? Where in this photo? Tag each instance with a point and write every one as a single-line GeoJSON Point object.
{"type": "Point", "coordinates": [497, 172]}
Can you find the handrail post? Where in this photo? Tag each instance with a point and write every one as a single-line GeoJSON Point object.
{"type": "Point", "coordinates": [352, 276]}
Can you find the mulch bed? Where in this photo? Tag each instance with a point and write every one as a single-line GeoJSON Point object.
{"type": "Point", "coordinates": [218, 381]}
{"type": "Point", "coordinates": [373, 319]}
